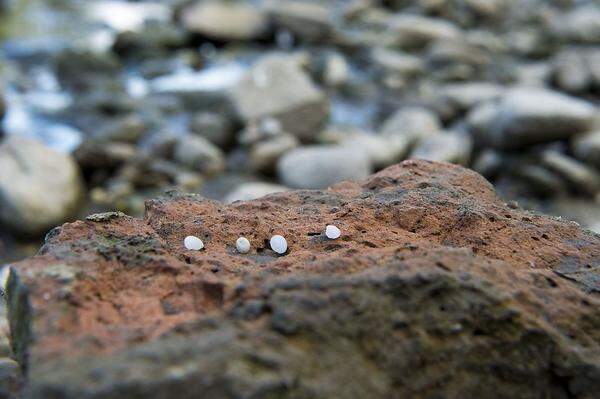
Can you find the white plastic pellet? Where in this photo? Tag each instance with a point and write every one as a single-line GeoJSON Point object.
{"type": "Point", "coordinates": [332, 232]}
{"type": "Point", "coordinates": [193, 243]}
{"type": "Point", "coordinates": [243, 245]}
{"type": "Point", "coordinates": [278, 244]}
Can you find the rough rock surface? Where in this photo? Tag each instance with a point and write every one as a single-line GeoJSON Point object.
{"type": "Point", "coordinates": [435, 289]}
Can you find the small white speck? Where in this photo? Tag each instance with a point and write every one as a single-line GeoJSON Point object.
{"type": "Point", "coordinates": [193, 243]}
{"type": "Point", "coordinates": [278, 244]}
{"type": "Point", "coordinates": [332, 232]}
{"type": "Point", "coordinates": [243, 245]}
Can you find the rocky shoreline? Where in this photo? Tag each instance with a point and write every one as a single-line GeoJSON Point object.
{"type": "Point", "coordinates": [234, 100]}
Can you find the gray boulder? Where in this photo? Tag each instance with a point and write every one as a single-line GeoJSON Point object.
{"type": "Point", "coordinates": [524, 117]}
{"type": "Point", "coordinates": [533, 74]}
{"type": "Point", "coordinates": [460, 97]}
{"type": "Point", "coordinates": [465, 12]}
{"type": "Point", "coordinates": [266, 129]}
{"type": "Point", "coordinates": [586, 147]}
{"type": "Point", "coordinates": [127, 129]}
{"type": "Point", "coordinates": [539, 181]}
{"type": "Point", "coordinates": [382, 151]}
{"type": "Point", "coordinates": [395, 68]}
{"type": "Point", "coordinates": [456, 59]}
{"type": "Point", "coordinates": [277, 86]}
{"type": "Point", "coordinates": [414, 31]}
{"type": "Point", "coordinates": [39, 188]}
{"type": "Point", "coordinates": [580, 176]}
{"type": "Point", "coordinates": [265, 154]}
{"type": "Point", "coordinates": [577, 70]}
{"type": "Point", "coordinates": [93, 155]}
{"type": "Point", "coordinates": [395, 62]}
{"type": "Point", "coordinates": [83, 70]}
{"type": "Point", "coordinates": [488, 163]}
{"type": "Point", "coordinates": [413, 123]}
{"type": "Point", "coordinates": [310, 21]}
{"type": "Point", "coordinates": [225, 20]}
{"type": "Point", "coordinates": [213, 126]}
{"type": "Point", "coordinates": [199, 154]}
{"type": "Point", "coordinates": [151, 40]}
{"type": "Point", "coordinates": [580, 25]}
{"type": "Point", "coordinates": [317, 167]}
{"type": "Point", "coordinates": [479, 120]}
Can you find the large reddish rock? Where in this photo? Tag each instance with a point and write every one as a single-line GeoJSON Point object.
{"type": "Point", "coordinates": [435, 289]}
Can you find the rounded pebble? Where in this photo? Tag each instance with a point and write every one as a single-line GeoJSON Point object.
{"type": "Point", "coordinates": [332, 232]}
{"type": "Point", "coordinates": [193, 243]}
{"type": "Point", "coordinates": [278, 244]}
{"type": "Point", "coordinates": [242, 245]}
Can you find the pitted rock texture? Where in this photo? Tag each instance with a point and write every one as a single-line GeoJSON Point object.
{"type": "Point", "coordinates": [435, 289]}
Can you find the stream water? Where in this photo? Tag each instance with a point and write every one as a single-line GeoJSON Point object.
{"type": "Point", "coordinates": [37, 30]}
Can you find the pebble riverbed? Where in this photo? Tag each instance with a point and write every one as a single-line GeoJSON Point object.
{"type": "Point", "coordinates": [107, 103]}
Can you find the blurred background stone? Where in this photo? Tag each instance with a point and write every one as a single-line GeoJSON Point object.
{"type": "Point", "coordinates": [39, 188]}
{"type": "Point", "coordinates": [321, 166]}
{"type": "Point", "coordinates": [225, 20]}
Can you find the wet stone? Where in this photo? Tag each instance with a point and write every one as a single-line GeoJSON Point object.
{"type": "Point", "coordinates": [286, 93]}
